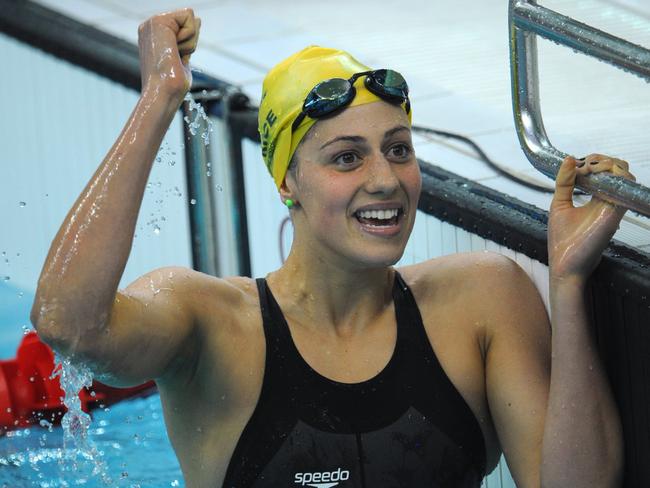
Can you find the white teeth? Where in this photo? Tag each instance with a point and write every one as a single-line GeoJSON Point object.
{"type": "Point", "coordinates": [379, 214]}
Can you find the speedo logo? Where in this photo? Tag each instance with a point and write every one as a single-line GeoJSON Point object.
{"type": "Point", "coordinates": [325, 479]}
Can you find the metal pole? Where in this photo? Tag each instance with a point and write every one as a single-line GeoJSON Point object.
{"type": "Point", "coordinates": [215, 178]}
{"type": "Point", "coordinates": [582, 37]}
{"type": "Point", "coordinates": [527, 19]}
{"type": "Point", "coordinates": [203, 228]}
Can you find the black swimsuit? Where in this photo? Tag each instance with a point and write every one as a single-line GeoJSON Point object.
{"type": "Point", "coordinates": [408, 427]}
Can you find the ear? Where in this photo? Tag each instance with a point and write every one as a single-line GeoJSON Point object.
{"type": "Point", "coordinates": [288, 188]}
{"type": "Point", "coordinates": [284, 190]}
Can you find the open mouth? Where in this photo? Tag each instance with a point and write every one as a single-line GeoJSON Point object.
{"type": "Point", "coordinates": [379, 218]}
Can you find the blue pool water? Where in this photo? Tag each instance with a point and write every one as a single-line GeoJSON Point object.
{"type": "Point", "coordinates": [131, 435]}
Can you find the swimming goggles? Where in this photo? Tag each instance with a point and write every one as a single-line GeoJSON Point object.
{"type": "Point", "coordinates": [331, 95]}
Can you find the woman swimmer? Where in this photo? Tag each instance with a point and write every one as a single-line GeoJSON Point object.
{"type": "Point", "coordinates": [325, 374]}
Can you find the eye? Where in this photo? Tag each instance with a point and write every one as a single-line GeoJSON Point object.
{"type": "Point", "coordinates": [400, 151]}
{"type": "Point", "coordinates": [346, 159]}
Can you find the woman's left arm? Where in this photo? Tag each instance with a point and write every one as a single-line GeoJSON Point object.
{"type": "Point", "coordinates": [547, 390]}
{"type": "Point", "coordinates": [583, 442]}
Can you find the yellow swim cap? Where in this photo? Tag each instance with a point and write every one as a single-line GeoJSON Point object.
{"type": "Point", "coordinates": [283, 93]}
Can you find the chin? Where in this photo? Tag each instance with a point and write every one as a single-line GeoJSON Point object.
{"type": "Point", "coordinates": [377, 259]}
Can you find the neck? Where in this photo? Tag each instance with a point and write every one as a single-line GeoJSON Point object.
{"type": "Point", "coordinates": [321, 292]}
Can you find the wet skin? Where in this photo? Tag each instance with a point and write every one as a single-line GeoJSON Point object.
{"type": "Point", "coordinates": [361, 159]}
{"type": "Point", "coordinates": [335, 291]}
{"type": "Point", "coordinates": [201, 337]}
{"type": "Point", "coordinates": [208, 399]}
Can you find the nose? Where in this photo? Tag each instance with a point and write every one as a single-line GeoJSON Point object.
{"type": "Point", "coordinates": [382, 178]}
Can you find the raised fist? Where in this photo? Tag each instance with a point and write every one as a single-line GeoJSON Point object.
{"type": "Point", "coordinates": [166, 42]}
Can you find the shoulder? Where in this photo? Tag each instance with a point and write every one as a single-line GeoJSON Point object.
{"type": "Point", "coordinates": [470, 271]}
{"type": "Point", "coordinates": [222, 312]}
{"type": "Point", "coordinates": [191, 286]}
{"type": "Point", "coordinates": [204, 300]}
{"type": "Point", "coordinates": [491, 287]}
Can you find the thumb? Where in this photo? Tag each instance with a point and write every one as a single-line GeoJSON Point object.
{"type": "Point", "coordinates": [564, 184]}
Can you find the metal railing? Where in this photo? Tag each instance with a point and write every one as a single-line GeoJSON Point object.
{"type": "Point", "coordinates": [528, 20]}
{"type": "Point", "coordinates": [219, 245]}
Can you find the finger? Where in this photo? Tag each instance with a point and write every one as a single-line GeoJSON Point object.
{"type": "Point", "coordinates": [622, 164]}
{"type": "Point", "coordinates": [185, 20]}
{"type": "Point", "coordinates": [564, 183]}
{"type": "Point", "coordinates": [615, 208]}
{"type": "Point", "coordinates": [618, 171]}
{"type": "Point", "coordinates": [602, 157]}
{"type": "Point", "coordinates": [186, 48]}
{"type": "Point", "coordinates": [611, 166]}
{"type": "Point", "coordinates": [599, 165]}
{"type": "Point", "coordinates": [189, 46]}
{"type": "Point", "coordinates": [581, 166]}
{"type": "Point", "coordinates": [595, 157]}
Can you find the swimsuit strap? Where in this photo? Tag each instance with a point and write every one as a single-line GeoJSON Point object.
{"type": "Point", "coordinates": [274, 335]}
{"type": "Point", "coordinates": [437, 395]}
{"type": "Point", "coordinates": [250, 455]}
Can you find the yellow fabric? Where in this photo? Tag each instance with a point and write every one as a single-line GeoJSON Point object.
{"type": "Point", "coordinates": [283, 93]}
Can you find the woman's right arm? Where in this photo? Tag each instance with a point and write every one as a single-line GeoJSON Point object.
{"type": "Point", "coordinates": [133, 335]}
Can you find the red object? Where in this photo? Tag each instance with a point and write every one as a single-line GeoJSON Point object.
{"type": "Point", "coordinates": [29, 394]}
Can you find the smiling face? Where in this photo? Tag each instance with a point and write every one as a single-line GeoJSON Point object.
{"type": "Point", "coordinates": [357, 183]}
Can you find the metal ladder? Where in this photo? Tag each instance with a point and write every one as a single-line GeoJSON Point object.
{"type": "Point", "coordinates": [527, 20]}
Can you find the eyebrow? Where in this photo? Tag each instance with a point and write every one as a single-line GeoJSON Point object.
{"type": "Point", "coordinates": [344, 138]}
{"type": "Point", "coordinates": [395, 130]}
{"type": "Point", "coordinates": [388, 134]}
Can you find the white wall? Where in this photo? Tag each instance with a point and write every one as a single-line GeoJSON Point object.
{"type": "Point", "coordinates": [57, 122]}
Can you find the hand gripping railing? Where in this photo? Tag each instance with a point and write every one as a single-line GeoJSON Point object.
{"type": "Point", "coordinates": [527, 20]}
